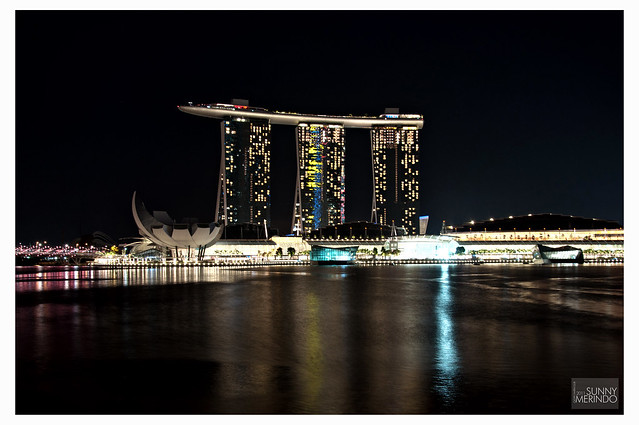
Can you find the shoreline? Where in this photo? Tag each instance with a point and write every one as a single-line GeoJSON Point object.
{"type": "Point", "coordinates": [249, 264]}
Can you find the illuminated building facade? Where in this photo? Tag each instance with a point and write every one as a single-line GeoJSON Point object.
{"type": "Point", "coordinates": [320, 189]}
{"type": "Point", "coordinates": [244, 194]}
{"type": "Point", "coordinates": [244, 190]}
{"type": "Point", "coordinates": [333, 254]}
{"type": "Point", "coordinates": [396, 176]}
{"type": "Point", "coordinates": [516, 236]}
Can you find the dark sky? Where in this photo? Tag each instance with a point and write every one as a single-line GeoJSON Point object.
{"type": "Point", "coordinates": [523, 111]}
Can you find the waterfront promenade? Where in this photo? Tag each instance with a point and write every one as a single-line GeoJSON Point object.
{"type": "Point", "coordinates": [369, 263]}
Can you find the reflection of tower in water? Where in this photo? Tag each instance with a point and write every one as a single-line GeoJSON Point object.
{"type": "Point", "coordinates": [446, 357]}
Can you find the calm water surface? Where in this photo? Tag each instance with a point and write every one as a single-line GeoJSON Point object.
{"type": "Point", "coordinates": [330, 339]}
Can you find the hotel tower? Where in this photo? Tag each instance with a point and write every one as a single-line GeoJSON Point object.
{"type": "Point", "coordinates": [320, 189]}
{"type": "Point", "coordinates": [244, 183]}
{"type": "Point", "coordinates": [395, 152]}
{"type": "Point", "coordinates": [244, 189]}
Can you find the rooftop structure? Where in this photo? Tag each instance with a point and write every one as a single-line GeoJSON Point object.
{"type": "Point", "coordinates": [222, 111]}
{"type": "Point", "coordinates": [534, 222]}
{"type": "Point", "coordinates": [358, 230]}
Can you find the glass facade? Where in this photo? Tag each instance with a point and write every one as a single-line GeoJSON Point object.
{"type": "Point", "coordinates": [565, 254]}
{"type": "Point", "coordinates": [245, 177]}
{"type": "Point", "coordinates": [320, 193]}
{"type": "Point", "coordinates": [322, 254]}
{"type": "Point", "coordinates": [396, 176]}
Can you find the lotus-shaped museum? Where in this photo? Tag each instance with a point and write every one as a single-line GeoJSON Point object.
{"type": "Point", "coordinates": [163, 231]}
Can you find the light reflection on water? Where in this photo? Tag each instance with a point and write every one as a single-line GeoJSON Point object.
{"type": "Point", "coordinates": [413, 339]}
{"type": "Point", "coordinates": [446, 351]}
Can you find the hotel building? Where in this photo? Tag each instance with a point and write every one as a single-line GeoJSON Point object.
{"type": "Point", "coordinates": [245, 179]}
{"type": "Point", "coordinates": [396, 176]}
{"type": "Point", "coordinates": [320, 189]}
{"type": "Point", "coordinates": [244, 189]}
{"type": "Point", "coordinates": [517, 235]}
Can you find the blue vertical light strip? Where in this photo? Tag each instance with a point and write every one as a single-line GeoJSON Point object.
{"type": "Point", "coordinates": [317, 177]}
{"type": "Point", "coordinates": [446, 356]}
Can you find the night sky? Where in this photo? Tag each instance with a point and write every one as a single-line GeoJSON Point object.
{"type": "Point", "coordinates": [523, 111]}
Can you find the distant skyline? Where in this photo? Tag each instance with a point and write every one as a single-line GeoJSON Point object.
{"type": "Point", "coordinates": [523, 111]}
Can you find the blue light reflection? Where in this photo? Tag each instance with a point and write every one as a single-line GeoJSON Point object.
{"type": "Point", "coordinates": [446, 357]}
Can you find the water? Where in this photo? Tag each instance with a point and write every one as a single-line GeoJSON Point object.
{"type": "Point", "coordinates": [330, 339]}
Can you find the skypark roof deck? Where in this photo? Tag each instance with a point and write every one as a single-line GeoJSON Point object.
{"type": "Point", "coordinates": [220, 111]}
